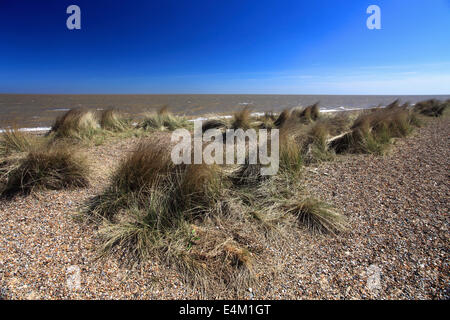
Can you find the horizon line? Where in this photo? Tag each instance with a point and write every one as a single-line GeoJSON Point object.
{"type": "Point", "coordinates": [236, 94]}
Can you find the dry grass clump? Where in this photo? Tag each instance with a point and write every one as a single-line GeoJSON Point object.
{"type": "Point", "coordinates": [149, 170]}
{"type": "Point", "coordinates": [56, 168]}
{"type": "Point", "coordinates": [164, 120]}
{"type": "Point", "coordinates": [113, 120]}
{"type": "Point", "coordinates": [282, 118]}
{"type": "Point", "coordinates": [291, 159]}
{"type": "Point", "coordinates": [373, 130]}
{"type": "Point", "coordinates": [7, 166]}
{"type": "Point", "coordinates": [248, 175]}
{"type": "Point", "coordinates": [303, 142]}
{"type": "Point", "coordinates": [144, 167]}
{"type": "Point", "coordinates": [241, 119]}
{"type": "Point", "coordinates": [200, 186]}
{"type": "Point", "coordinates": [311, 138]}
{"type": "Point", "coordinates": [316, 148]}
{"type": "Point", "coordinates": [221, 257]}
{"type": "Point", "coordinates": [140, 229]}
{"type": "Point", "coordinates": [298, 116]}
{"type": "Point", "coordinates": [76, 123]}
{"type": "Point", "coordinates": [209, 255]}
{"type": "Point", "coordinates": [336, 123]}
{"type": "Point", "coordinates": [148, 167]}
{"type": "Point", "coordinates": [212, 231]}
{"type": "Point", "coordinates": [213, 124]}
{"type": "Point", "coordinates": [308, 114]}
{"type": "Point", "coordinates": [190, 217]}
{"type": "Point", "coordinates": [431, 108]}
{"type": "Point", "coordinates": [267, 121]}
{"type": "Point", "coordinates": [316, 215]}
{"type": "Point", "coordinates": [13, 140]}
{"type": "Point", "coordinates": [153, 207]}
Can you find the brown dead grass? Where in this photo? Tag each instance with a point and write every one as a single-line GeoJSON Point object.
{"type": "Point", "coordinates": [317, 216]}
{"type": "Point", "coordinates": [432, 108]}
{"type": "Point", "coordinates": [113, 120]}
{"type": "Point", "coordinates": [13, 140]}
{"type": "Point", "coordinates": [242, 119]}
{"type": "Point", "coordinates": [56, 168]}
{"type": "Point", "coordinates": [373, 130]}
{"type": "Point", "coordinates": [308, 114]}
{"type": "Point", "coordinates": [76, 123]}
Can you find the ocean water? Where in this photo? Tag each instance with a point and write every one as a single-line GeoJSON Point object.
{"type": "Point", "coordinates": [39, 111]}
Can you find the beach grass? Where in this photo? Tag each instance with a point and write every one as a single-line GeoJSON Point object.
{"type": "Point", "coordinates": [113, 120]}
{"type": "Point", "coordinates": [241, 119]}
{"type": "Point", "coordinates": [164, 120]}
{"type": "Point", "coordinates": [55, 168]}
{"type": "Point", "coordinates": [307, 114]}
{"type": "Point", "coordinates": [373, 130]}
{"type": "Point", "coordinates": [76, 123]}
{"type": "Point", "coordinates": [432, 107]}
{"type": "Point", "coordinates": [317, 216]}
{"type": "Point", "coordinates": [13, 140]}
{"type": "Point", "coordinates": [204, 219]}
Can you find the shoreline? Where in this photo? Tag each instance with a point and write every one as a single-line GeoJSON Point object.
{"type": "Point", "coordinates": [40, 111]}
{"type": "Point", "coordinates": [254, 114]}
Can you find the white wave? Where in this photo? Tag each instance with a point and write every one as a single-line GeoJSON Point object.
{"type": "Point", "coordinates": [59, 109]}
{"type": "Point", "coordinates": [38, 129]}
{"type": "Point", "coordinates": [214, 117]}
{"type": "Point", "coordinates": [340, 109]}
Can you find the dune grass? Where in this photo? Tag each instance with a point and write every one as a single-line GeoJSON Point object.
{"type": "Point", "coordinates": [317, 216]}
{"type": "Point", "coordinates": [55, 168]}
{"type": "Point", "coordinates": [152, 207]}
{"type": "Point", "coordinates": [247, 175]}
{"type": "Point", "coordinates": [76, 123]}
{"type": "Point", "coordinates": [282, 118]}
{"type": "Point", "coordinates": [291, 159]}
{"type": "Point", "coordinates": [164, 120]}
{"type": "Point", "coordinates": [12, 140]}
{"type": "Point", "coordinates": [308, 114]}
{"type": "Point", "coordinates": [241, 119]}
{"type": "Point", "coordinates": [200, 186]}
{"type": "Point", "coordinates": [316, 148]}
{"type": "Point", "coordinates": [138, 173]}
{"type": "Point", "coordinates": [192, 217]}
{"type": "Point", "coordinates": [149, 169]}
{"type": "Point", "coordinates": [211, 222]}
{"type": "Point", "coordinates": [432, 108]}
{"type": "Point", "coordinates": [214, 124]}
{"type": "Point", "coordinates": [143, 168]}
{"type": "Point", "coordinates": [373, 130]}
{"type": "Point", "coordinates": [113, 120]}
{"type": "Point", "coordinates": [266, 121]}
{"type": "Point", "coordinates": [87, 127]}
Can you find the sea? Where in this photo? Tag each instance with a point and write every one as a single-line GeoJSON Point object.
{"type": "Point", "coordinates": [33, 112]}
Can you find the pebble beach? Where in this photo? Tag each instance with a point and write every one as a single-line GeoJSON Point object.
{"type": "Point", "coordinates": [397, 246]}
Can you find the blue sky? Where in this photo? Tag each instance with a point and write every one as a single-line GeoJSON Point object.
{"type": "Point", "coordinates": [232, 46]}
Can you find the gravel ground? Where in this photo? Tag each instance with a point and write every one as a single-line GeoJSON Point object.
{"type": "Point", "coordinates": [397, 246]}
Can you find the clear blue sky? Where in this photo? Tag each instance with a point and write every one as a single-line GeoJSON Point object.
{"type": "Point", "coordinates": [226, 46]}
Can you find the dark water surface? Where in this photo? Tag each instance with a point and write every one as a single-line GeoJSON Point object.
{"type": "Point", "coordinates": [41, 110]}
